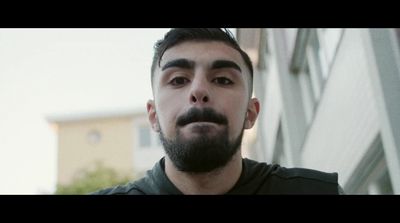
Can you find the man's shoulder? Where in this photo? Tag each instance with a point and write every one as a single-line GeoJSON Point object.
{"type": "Point", "coordinates": [282, 180]}
{"type": "Point", "coordinates": [306, 174]}
{"type": "Point", "coordinates": [284, 173]}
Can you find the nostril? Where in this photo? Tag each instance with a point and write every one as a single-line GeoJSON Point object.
{"type": "Point", "coordinates": [194, 98]}
{"type": "Point", "coordinates": [205, 99]}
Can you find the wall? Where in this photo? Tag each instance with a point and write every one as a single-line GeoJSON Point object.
{"type": "Point", "coordinates": [114, 148]}
{"type": "Point", "coordinates": [346, 120]}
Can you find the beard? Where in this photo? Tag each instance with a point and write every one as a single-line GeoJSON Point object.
{"type": "Point", "coordinates": [204, 152]}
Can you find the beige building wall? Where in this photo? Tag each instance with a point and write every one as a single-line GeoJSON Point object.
{"type": "Point", "coordinates": [81, 144]}
{"type": "Point", "coordinates": [121, 140]}
{"type": "Point", "coordinates": [117, 140]}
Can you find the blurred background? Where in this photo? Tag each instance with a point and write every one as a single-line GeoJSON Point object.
{"type": "Point", "coordinates": [73, 106]}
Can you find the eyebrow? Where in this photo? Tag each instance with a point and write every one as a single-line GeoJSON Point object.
{"type": "Point", "coordinates": [181, 63]}
{"type": "Point", "coordinates": [189, 64]}
{"type": "Point", "coordinates": [218, 64]}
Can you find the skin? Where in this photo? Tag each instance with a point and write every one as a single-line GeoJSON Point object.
{"type": "Point", "coordinates": [205, 82]}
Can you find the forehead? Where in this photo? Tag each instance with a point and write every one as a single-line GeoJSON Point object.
{"type": "Point", "coordinates": [203, 53]}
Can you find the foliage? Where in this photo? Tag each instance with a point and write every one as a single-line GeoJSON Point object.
{"type": "Point", "coordinates": [88, 181]}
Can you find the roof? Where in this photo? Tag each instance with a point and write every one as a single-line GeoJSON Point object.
{"type": "Point", "coordinates": [90, 115]}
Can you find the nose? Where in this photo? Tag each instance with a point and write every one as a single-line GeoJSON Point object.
{"type": "Point", "coordinates": [199, 93]}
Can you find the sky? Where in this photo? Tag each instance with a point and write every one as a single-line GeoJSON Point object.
{"type": "Point", "coordinates": [46, 72]}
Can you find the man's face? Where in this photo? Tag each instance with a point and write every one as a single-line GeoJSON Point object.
{"type": "Point", "coordinates": [201, 104]}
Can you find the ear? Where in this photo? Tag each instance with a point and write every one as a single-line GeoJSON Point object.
{"type": "Point", "coordinates": [253, 109]}
{"type": "Point", "coordinates": [152, 115]}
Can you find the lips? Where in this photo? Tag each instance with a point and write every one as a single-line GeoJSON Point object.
{"type": "Point", "coordinates": [204, 115]}
{"type": "Point", "coordinates": [202, 121]}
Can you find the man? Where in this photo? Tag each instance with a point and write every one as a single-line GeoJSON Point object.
{"type": "Point", "coordinates": [202, 87]}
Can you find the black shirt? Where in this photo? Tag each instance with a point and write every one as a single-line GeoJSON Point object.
{"type": "Point", "coordinates": [256, 178]}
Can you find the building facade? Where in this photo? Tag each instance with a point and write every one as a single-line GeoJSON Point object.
{"type": "Point", "coordinates": [121, 140]}
{"type": "Point", "coordinates": [330, 100]}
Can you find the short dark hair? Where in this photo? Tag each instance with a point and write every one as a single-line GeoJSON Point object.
{"type": "Point", "coordinates": [179, 35]}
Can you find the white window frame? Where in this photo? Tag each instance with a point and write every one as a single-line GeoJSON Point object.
{"type": "Point", "coordinates": [279, 155]}
{"type": "Point", "coordinates": [315, 70]}
{"type": "Point", "coordinates": [307, 93]}
{"type": "Point", "coordinates": [366, 176]}
{"type": "Point", "coordinates": [329, 40]}
{"type": "Point", "coordinates": [154, 140]}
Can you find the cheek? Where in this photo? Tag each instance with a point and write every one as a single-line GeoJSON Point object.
{"type": "Point", "coordinates": [239, 120]}
{"type": "Point", "coordinates": [237, 114]}
{"type": "Point", "coordinates": [167, 111]}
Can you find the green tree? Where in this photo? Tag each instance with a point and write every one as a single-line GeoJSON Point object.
{"type": "Point", "coordinates": [87, 181]}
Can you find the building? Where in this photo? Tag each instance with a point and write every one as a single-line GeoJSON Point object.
{"type": "Point", "coordinates": [120, 140]}
{"type": "Point", "coordinates": [330, 100]}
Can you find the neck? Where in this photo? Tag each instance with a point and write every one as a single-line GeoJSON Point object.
{"type": "Point", "coordinates": [218, 181]}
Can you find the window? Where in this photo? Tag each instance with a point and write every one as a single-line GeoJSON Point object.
{"type": "Point", "coordinates": [144, 136]}
{"type": "Point", "coordinates": [318, 53]}
{"type": "Point", "coordinates": [398, 35]}
{"type": "Point", "coordinates": [371, 175]}
{"type": "Point", "coordinates": [148, 138]}
{"type": "Point", "coordinates": [312, 55]}
{"type": "Point", "coordinates": [307, 93]}
{"type": "Point", "coordinates": [93, 137]}
{"type": "Point", "coordinates": [279, 156]}
{"type": "Point", "coordinates": [315, 65]}
{"type": "Point", "coordinates": [309, 63]}
{"type": "Point", "coordinates": [320, 49]}
{"type": "Point", "coordinates": [382, 185]}
{"type": "Point", "coordinates": [329, 41]}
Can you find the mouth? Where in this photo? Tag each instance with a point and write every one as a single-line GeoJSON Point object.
{"type": "Point", "coordinates": [203, 123]}
{"type": "Point", "coordinates": [202, 127]}
{"type": "Point", "coordinates": [201, 117]}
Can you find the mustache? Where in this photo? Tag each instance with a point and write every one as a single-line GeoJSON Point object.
{"type": "Point", "coordinates": [201, 115]}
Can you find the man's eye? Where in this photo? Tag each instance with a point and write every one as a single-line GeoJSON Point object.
{"type": "Point", "coordinates": [222, 81]}
{"type": "Point", "coordinates": [179, 81]}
